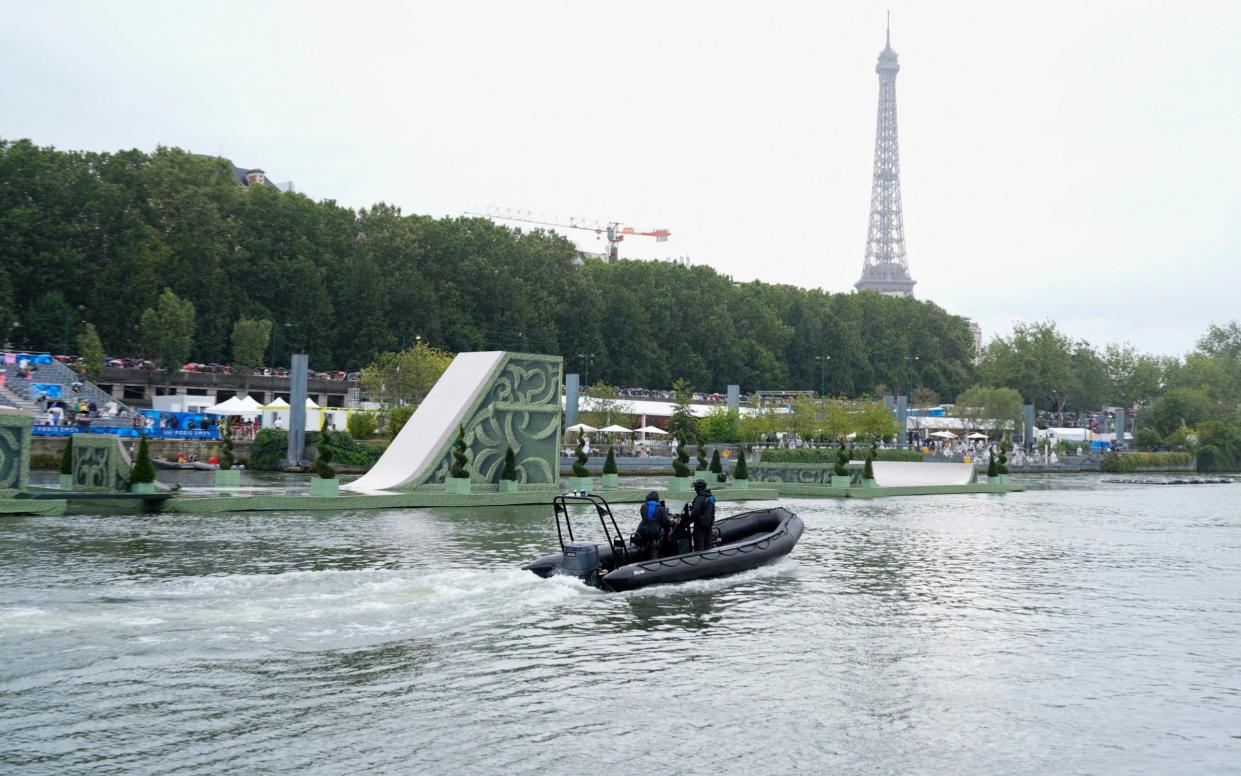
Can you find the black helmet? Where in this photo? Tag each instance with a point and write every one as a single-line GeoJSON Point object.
{"type": "Point", "coordinates": [700, 485]}
{"type": "Point", "coordinates": [652, 496]}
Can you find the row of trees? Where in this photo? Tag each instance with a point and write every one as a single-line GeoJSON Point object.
{"type": "Point", "coordinates": [98, 237]}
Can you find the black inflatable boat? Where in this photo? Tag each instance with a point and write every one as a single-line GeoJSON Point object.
{"type": "Point", "coordinates": [742, 542]}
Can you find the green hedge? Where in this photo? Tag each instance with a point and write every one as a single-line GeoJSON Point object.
{"type": "Point", "coordinates": [828, 455]}
{"type": "Point", "coordinates": [348, 451]}
{"type": "Point", "coordinates": [269, 446]}
{"type": "Point", "coordinates": [1125, 463]}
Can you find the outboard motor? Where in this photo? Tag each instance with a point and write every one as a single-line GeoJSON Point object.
{"type": "Point", "coordinates": [581, 559]}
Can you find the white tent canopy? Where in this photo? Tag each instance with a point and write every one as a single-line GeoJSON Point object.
{"type": "Point", "coordinates": [651, 430]}
{"type": "Point", "coordinates": [232, 407]}
{"type": "Point", "coordinates": [581, 427]}
{"type": "Point", "coordinates": [944, 435]}
{"type": "Point", "coordinates": [615, 429]}
{"type": "Point", "coordinates": [977, 435]}
{"type": "Point", "coordinates": [250, 404]}
{"type": "Point", "coordinates": [277, 404]}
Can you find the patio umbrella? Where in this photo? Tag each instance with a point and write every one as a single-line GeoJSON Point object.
{"type": "Point", "coordinates": [944, 435]}
{"type": "Point", "coordinates": [650, 430]}
{"type": "Point", "coordinates": [615, 429]}
{"type": "Point", "coordinates": [977, 435]}
{"type": "Point", "coordinates": [581, 427]}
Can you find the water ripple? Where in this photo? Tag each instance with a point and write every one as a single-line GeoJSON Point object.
{"type": "Point", "coordinates": [1092, 629]}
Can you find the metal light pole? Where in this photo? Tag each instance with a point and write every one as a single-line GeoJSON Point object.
{"type": "Point", "coordinates": [68, 320]}
{"type": "Point", "coordinates": [274, 331]}
{"type": "Point", "coordinates": [587, 358]}
{"type": "Point", "coordinates": [822, 374]}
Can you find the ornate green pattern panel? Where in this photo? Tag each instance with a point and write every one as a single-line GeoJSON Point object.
{"type": "Point", "coordinates": [519, 408]}
{"type": "Point", "coordinates": [14, 451]}
{"type": "Point", "coordinates": [792, 473]}
{"type": "Point", "coordinates": [98, 464]}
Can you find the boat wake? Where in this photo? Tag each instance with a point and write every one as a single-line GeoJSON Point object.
{"type": "Point", "coordinates": [295, 610]}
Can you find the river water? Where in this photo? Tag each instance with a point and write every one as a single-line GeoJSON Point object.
{"type": "Point", "coordinates": [1078, 628]}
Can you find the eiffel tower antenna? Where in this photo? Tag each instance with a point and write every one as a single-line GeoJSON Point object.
{"type": "Point", "coordinates": [884, 269]}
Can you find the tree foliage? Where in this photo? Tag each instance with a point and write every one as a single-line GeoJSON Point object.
{"type": "Point", "coordinates": [226, 457]}
{"type": "Point", "coordinates": [741, 471]}
{"type": "Point", "coordinates": [91, 350]}
{"type": "Point", "coordinates": [66, 457]}
{"type": "Point", "coordinates": [992, 409]}
{"type": "Point", "coordinates": [250, 340]}
{"type": "Point", "coordinates": [111, 230]}
{"type": "Point", "coordinates": [361, 425]}
{"type": "Point", "coordinates": [607, 408]}
{"type": "Point", "coordinates": [680, 464]}
{"type": "Point", "coordinates": [580, 457]}
{"type": "Point", "coordinates": [168, 330]}
{"type": "Point", "coordinates": [405, 378]}
{"type": "Point", "coordinates": [143, 470]}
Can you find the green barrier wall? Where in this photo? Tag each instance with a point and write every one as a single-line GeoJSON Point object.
{"type": "Point", "coordinates": [14, 451]}
{"type": "Point", "coordinates": [98, 464]}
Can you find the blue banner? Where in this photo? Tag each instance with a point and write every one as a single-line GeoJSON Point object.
{"type": "Point", "coordinates": [181, 425]}
{"type": "Point", "coordinates": [50, 390]}
{"type": "Point", "coordinates": [122, 431]}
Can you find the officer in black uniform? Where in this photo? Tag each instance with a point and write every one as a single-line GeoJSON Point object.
{"type": "Point", "coordinates": [654, 526]}
{"type": "Point", "coordinates": [682, 536]}
{"type": "Point", "coordinates": [702, 513]}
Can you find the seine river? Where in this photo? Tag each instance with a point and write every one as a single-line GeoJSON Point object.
{"type": "Point", "coordinates": [1078, 628]}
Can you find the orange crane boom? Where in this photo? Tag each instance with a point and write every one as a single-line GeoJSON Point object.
{"type": "Point", "coordinates": [615, 231]}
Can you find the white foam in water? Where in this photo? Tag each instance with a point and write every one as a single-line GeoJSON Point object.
{"type": "Point", "coordinates": [300, 608]}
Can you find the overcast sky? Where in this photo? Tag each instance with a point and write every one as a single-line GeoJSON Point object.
{"type": "Point", "coordinates": [1066, 161]}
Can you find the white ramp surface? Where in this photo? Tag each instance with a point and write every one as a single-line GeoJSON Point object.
{"type": "Point", "coordinates": [908, 474]}
{"type": "Point", "coordinates": [434, 423]}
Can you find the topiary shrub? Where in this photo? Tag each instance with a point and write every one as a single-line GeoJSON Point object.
{"type": "Point", "coordinates": [868, 471]}
{"type": "Point", "coordinates": [741, 471]}
{"type": "Point", "coordinates": [580, 457]}
{"type": "Point", "coordinates": [609, 465]}
{"type": "Point", "coordinates": [702, 455]}
{"type": "Point", "coordinates": [1001, 462]}
{"type": "Point", "coordinates": [716, 465]}
{"type": "Point", "coordinates": [66, 458]}
{"type": "Point", "coordinates": [680, 464]}
{"type": "Point", "coordinates": [227, 458]}
{"type": "Point", "coordinates": [144, 470]}
{"type": "Point", "coordinates": [841, 467]}
{"type": "Point", "coordinates": [509, 472]}
{"type": "Point", "coordinates": [460, 456]}
{"type": "Point", "coordinates": [323, 463]}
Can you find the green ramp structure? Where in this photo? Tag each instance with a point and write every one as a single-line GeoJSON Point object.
{"type": "Point", "coordinates": [500, 400]}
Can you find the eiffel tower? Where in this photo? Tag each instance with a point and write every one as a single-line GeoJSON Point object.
{"type": "Point", "coordinates": [885, 269]}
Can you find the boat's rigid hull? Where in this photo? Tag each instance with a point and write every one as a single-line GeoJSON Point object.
{"type": "Point", "coordinates": [716, 562]}
{"type": "Point", "coordinates": [747, 541]}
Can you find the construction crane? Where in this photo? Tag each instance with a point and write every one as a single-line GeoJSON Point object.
{"type": "Point", "coordinates": [614, 231]}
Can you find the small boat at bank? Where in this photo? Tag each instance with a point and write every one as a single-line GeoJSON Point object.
{"type": "Point", "coordinates": [205, 466]}
{"type": "Point", "coordinates": [742, 542]}
{"type": "Point", "coordinates": [160, 463]}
